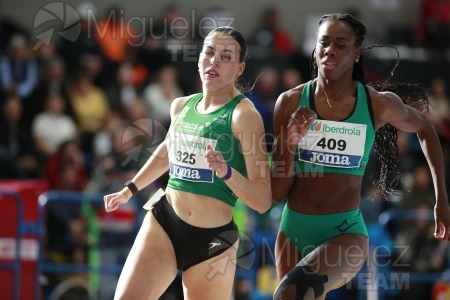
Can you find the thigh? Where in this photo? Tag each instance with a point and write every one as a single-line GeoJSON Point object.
{"type": "Point", "coordinates": [328, 267]}
{"type": "Point", "coordinates": [212, 278]}
{"type": "Point", "coordinates": [339, 259]}
{"type": "Point", "coordinates": [286, 254]}
{"type": "Point", "coordinates": [151, 264]}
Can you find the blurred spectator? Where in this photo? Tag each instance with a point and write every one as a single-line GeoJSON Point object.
{"type": "Point", "coordinates": [66, 238]}
{"type": "Point", "coordinates": [66, 168]}
{"type": "Point", "coordinates": [163, 42]}
{"type": "Point", "coordinates": [243, 289]}
{"type": "Point", "coordinates": [43, 55]}
{"type": "Point", "coordinates": [433, 28]}
{"type": "Point", "coordinates": [158, 95]}
{"type": "Point", "coordinates": [171, 27]}
{"type": "Point", "coordinates": [90, 107]}
{"type": "Point", "coordinates": [407, 154]}
{"type": "Point", "coordinates": [264, 95]}
{"type": "Point", "coordinates": [272, 34]}
{"type": "Point", "coordinates": [124, 91]}
{"type": "Point", "coordinates": [136, 110]}
{"type": "Point", "coordinates": [18, 71]}
{"type": "Point", "coordinates": [418, 188]}
{"type": "Point", "coordinates": [95, 70]}
{"type": "Point", "coordinates": [418, 251]}
{"type": "Point", "coordinates": [439, 100]}
{"type": "Point", "coordinates": [104, 139]}
{"type": "Point", "coordinates": [117, 228]}
{"type": "Point", "coordinates": [115, 38]}
{"type": "Point", "coordinates": [112, 143]}
{"type": "Point", "coordinates": [52, 127]}
{"type": "Point", "coordinates": [290, 78]}
{"type": "Point", "coordinates": [114, 35]}
{"type": "Point", "coordinates": [137, 138]}
{"type": "Point", "coordinates": [153, 56]}
{"type": "Point", "coordinates": [53, 81]}
{"type": "Point", "coordinates": [86, 44]}
{"type": "Point", "coordinates": [439, 108]}
{"type": "Point", "coordinates": [66, 228]}
{"type": "Point", "coordinates": [17, 148]}
{"type": "Point", "coordinates": [215, 16]}
{"type": "Point", "coordinates": [9, 28]}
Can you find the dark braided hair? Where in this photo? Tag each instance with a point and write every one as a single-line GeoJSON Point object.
{"type": "Point", "coordinates": [385, 139]}
{"type": "Point", "coordinates": [385, 144]}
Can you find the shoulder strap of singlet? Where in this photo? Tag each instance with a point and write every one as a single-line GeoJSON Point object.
{"type": "Point", "coordinates": [306, 94]}
{"type": "Point", "coordinates": [238, 98]}
{"type": "Point", "coordinates": [369, 106]}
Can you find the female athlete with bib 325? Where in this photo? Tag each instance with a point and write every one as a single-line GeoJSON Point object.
{"type": "Point", "coordinates": [325, 130]}
{"type": "Point", "coordinates": [212, 159]}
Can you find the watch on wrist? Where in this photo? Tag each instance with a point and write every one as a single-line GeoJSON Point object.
{"type": "Point", "coordinates": [131, 186]}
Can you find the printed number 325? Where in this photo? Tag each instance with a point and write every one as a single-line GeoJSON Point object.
{"type": "Point", "coordinates": [185, 157]}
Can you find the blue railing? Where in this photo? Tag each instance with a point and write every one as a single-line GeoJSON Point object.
{"type": "Point", "coordinates": [44, 266]}
{"type": "Point", "coordinates": [401, 214]}
{"type": "Point", "coordinates": [412, 215]}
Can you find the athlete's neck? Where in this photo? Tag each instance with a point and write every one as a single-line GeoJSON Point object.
{"type": "Point", "coordinates": [332, 86]}
{"type": "Point", "coordinates": [213, 99]}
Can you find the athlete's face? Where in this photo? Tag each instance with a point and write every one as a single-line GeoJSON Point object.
{"type": "Point", "coordinates": [219, 64]}
{"type": "Point", "coordinates": [336, 51]}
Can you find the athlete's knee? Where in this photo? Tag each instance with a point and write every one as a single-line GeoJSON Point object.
{"type": "Point", "coordinates": [297, 282]}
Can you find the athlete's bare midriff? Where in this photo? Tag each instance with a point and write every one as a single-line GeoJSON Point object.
{"type": "Point", "coordinates": [198, 210]}
{"type": "Point", "coordinates": [328, 194]}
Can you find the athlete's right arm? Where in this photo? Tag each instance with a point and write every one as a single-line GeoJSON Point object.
{"type": "Point", "coordinates": [290, 125]}
{"type": "Point", "coordinates": [156, 165]}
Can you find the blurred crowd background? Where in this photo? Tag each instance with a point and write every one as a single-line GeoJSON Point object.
{"type": "Point", "coordinates": [86, 107]}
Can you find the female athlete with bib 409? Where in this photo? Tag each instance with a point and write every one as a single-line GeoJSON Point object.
{"type": "Point", "coordinates": [325, 130]}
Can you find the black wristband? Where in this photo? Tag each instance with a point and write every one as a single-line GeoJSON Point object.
{"type": "Point", "coordinates": [133, 188]}
{"type": "Point", "coordinates": [228, 175]}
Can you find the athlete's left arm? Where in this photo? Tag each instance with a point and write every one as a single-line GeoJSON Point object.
{"type": "Point", "coordinates": [389, 108]}
{"type": "Point", "coordinates": [248, 128]}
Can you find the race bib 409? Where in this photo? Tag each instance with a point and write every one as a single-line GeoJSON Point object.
{"type": "Point", "coordinates": [333, 144]}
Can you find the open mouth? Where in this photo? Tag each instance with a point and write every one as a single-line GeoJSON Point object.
{"type": "Point", "coordinates": [328, 65]}
{"type": "Point", "coordinates": [212, 72]}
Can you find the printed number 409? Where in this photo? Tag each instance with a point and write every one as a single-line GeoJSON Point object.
{"type": "Point", "coordinates": [332, 144]}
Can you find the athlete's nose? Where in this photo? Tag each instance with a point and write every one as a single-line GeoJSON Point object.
{"type": "Point", "coordinates": [215, 60]}
{"type": "Point", "coordinates": [330, 50]}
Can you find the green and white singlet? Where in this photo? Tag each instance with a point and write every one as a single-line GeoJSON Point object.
{"type": "Point", "coordinates": [188, 140]}
{"type": "Point", "coordinates": [337, 146]}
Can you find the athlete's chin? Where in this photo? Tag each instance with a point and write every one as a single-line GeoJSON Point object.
{"type": "Point", "coordinates": [213, 85]}
{"type": "Point", "coordinates": [331, 74]}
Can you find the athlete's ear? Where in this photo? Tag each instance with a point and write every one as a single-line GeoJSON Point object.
{"type": "Point", "coordinates": [358, 54]}
{"type": "Point", "coordinates": [240, 69]}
